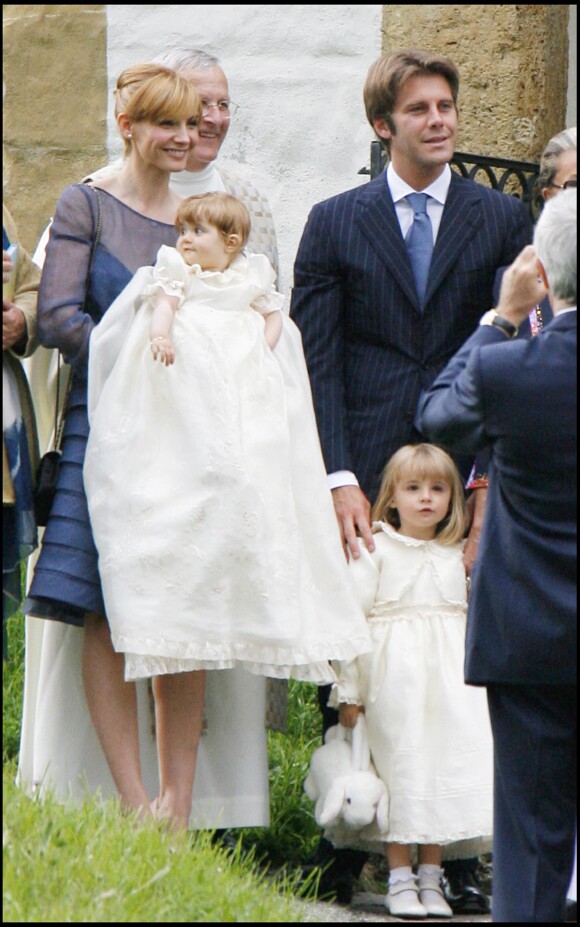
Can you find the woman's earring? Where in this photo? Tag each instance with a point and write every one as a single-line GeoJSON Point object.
{"type": "Point", "coordinates": [129, 135]}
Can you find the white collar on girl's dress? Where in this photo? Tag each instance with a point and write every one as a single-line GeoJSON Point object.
{"type": "Point", "coordinates": [392, 533]}
{"type": "Point", "coordinates": [383, 526]}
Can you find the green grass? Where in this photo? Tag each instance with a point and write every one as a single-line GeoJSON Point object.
{"type": "Point", "coordinates": [12, 683]}
{"type": "Point", "coordinates": [93, 864]}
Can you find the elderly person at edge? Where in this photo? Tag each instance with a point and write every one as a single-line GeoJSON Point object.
{"type": "Point", "coordinates": [20, 278]}
{"type": "Point", "coordinates": [558, 165]}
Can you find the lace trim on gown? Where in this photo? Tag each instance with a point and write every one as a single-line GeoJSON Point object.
{"type": "Point", "coordinates": [309, 665]}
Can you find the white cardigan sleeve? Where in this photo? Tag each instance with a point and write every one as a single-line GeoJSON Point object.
{"type": "Point", "coordinates": [365, 573]}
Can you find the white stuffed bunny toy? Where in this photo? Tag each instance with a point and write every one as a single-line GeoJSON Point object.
{"type": "Point", "coordinates": [343, 782]}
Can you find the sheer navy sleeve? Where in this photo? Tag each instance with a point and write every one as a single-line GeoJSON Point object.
{"type": "Point", "coordinates": [64, 322]}
{"type": "Point", "coordinates": [75, 290]}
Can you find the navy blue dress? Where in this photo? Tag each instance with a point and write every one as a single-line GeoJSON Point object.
{"type": "Point", "coordinates": [66, 584]}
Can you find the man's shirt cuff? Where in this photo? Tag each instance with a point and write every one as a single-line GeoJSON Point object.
{"type": "Point", "coordinates": [341, 478]}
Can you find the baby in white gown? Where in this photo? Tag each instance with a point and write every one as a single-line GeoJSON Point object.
{"type": "Point", "coordinates": [217, 539]}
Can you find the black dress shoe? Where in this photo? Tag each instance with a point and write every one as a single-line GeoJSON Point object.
{"type": "Point", "coordinates": [224, 839]}
{"type": "Point", "coordinates": [339, 868]}
{"type": "Point", "coordinates": [463, 893]}
{"type": "Point", "coordinates": [333, 885]}
{"type": "Point", "coordinates": [570, 911]}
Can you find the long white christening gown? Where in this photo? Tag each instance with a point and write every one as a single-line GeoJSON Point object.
{"type": "Point", "coordinates": [217, 538]}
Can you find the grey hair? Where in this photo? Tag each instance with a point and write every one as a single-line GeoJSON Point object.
{"type": "Point", "coordinates": [563, 141]}
{"type": "Point", "coordinates": [555, 238]}
{"type": "Point", "coordinates": [191, 58]}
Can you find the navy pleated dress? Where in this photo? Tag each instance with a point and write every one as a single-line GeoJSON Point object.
{"type": "Point", "coordinates": [66, 584]}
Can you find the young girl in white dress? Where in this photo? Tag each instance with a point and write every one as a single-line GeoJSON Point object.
{"type": "Point", "coordinates": [217, 539]}
{"type": "Point", "coordinates": [428, 732]}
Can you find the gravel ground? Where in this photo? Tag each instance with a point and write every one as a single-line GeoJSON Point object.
{"type": "Point", "coordinates": [367, 908]}
{"type": "Point", "coordinates": [368, 904]}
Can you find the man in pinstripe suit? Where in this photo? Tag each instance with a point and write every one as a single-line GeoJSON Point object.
{"type": "Point", "coordinates": [372, 344]}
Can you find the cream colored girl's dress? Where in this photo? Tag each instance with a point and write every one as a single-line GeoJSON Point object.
{"type": "Point", "coordinates": [217, 539]}
{"type": "Point", "coordinates": [428, 732]}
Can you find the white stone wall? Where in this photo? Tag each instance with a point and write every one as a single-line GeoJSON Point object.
{"type": "Point", "coordinates": [297, 72]}
{"type": "Point", "coordinates": [571, 113]}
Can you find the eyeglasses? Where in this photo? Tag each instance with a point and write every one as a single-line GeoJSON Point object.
{"type": "Point", "coordinates": [567, 185]}
{"type": "Point", "coordinates": [226, 107]}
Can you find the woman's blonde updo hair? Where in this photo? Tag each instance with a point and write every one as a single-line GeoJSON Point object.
{"type": "Point", "coordinates": [150, 92]}
{"type": "Point", "coordinates": [419, 462]}
{"type": "Point", "coordinates": [222, 210]}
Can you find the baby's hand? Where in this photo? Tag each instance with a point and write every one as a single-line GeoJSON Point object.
{"type": "Point", "coordinates": [163, 350]}
{"type": "Point", "coordinates": [348, 714]}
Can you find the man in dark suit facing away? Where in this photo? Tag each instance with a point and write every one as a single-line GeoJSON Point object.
{"type": "Point", "coordinates": [382, 310]}
{"type": "Point", "coordinates": [519, 398]}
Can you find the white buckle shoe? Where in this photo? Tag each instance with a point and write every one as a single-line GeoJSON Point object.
{"type": "Point", "coordinates": [403, 900]}
{"type": "Point", "coordinates": [433, 899]}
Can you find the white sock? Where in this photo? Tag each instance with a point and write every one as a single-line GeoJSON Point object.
{"type": "Point", "coordinates": [429, 872]}
{"type": "Point", "coordinates": [401, 874]}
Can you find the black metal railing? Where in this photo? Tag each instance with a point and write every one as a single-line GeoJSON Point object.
{"type": "Point", "coordinates": [518, 178]}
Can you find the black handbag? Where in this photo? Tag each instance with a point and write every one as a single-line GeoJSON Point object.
{"type": "Point", "coordinates": [46, 480]}
{"type": "Point", "coordinates": [49, 466]}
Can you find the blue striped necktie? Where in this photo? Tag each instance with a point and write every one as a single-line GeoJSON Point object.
{"type": "Point", "coordinates": [419, 242]}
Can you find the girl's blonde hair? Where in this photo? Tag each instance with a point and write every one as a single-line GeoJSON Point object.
{"type": "Point", "coordinates": [222, 210]}
{"type": "Point", "coordinates": [423, 461]}
{"type": "Point", "coordinates": [150, 92]}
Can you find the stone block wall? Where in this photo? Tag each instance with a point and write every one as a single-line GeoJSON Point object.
{"type": "Point", "coordinates": [55, 105]}
{"type": "Point", "coordinates": [513, 65]}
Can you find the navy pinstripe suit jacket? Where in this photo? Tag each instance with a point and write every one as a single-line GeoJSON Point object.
{"type": "Point", "coordinates": [370, 348]}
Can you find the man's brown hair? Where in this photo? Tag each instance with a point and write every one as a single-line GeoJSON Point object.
{"type": "Point", "coordinates": [390, 72]}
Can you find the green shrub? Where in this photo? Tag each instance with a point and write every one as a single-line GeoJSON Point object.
{"type": "Point", "coordinates": [293, 832]}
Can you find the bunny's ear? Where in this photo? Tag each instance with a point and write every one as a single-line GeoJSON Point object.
{"type": "Point", "coordinates": [332, 806]}
{"type": "Point", "coordinates": [310, 787]}
{"type": "Point", "coordinates": [383, 811]}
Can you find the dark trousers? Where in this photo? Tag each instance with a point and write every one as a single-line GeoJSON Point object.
{"type": "Point", "coordinates": [534, 735]}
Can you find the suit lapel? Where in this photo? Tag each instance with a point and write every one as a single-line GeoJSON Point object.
{"type": "Point", "coordinates": [377, 221]}
{"type": "Point", "coordinates": [459, 223]}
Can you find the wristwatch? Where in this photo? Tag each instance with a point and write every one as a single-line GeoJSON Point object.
{"type": "Point", "coordinates": [492, 318]}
